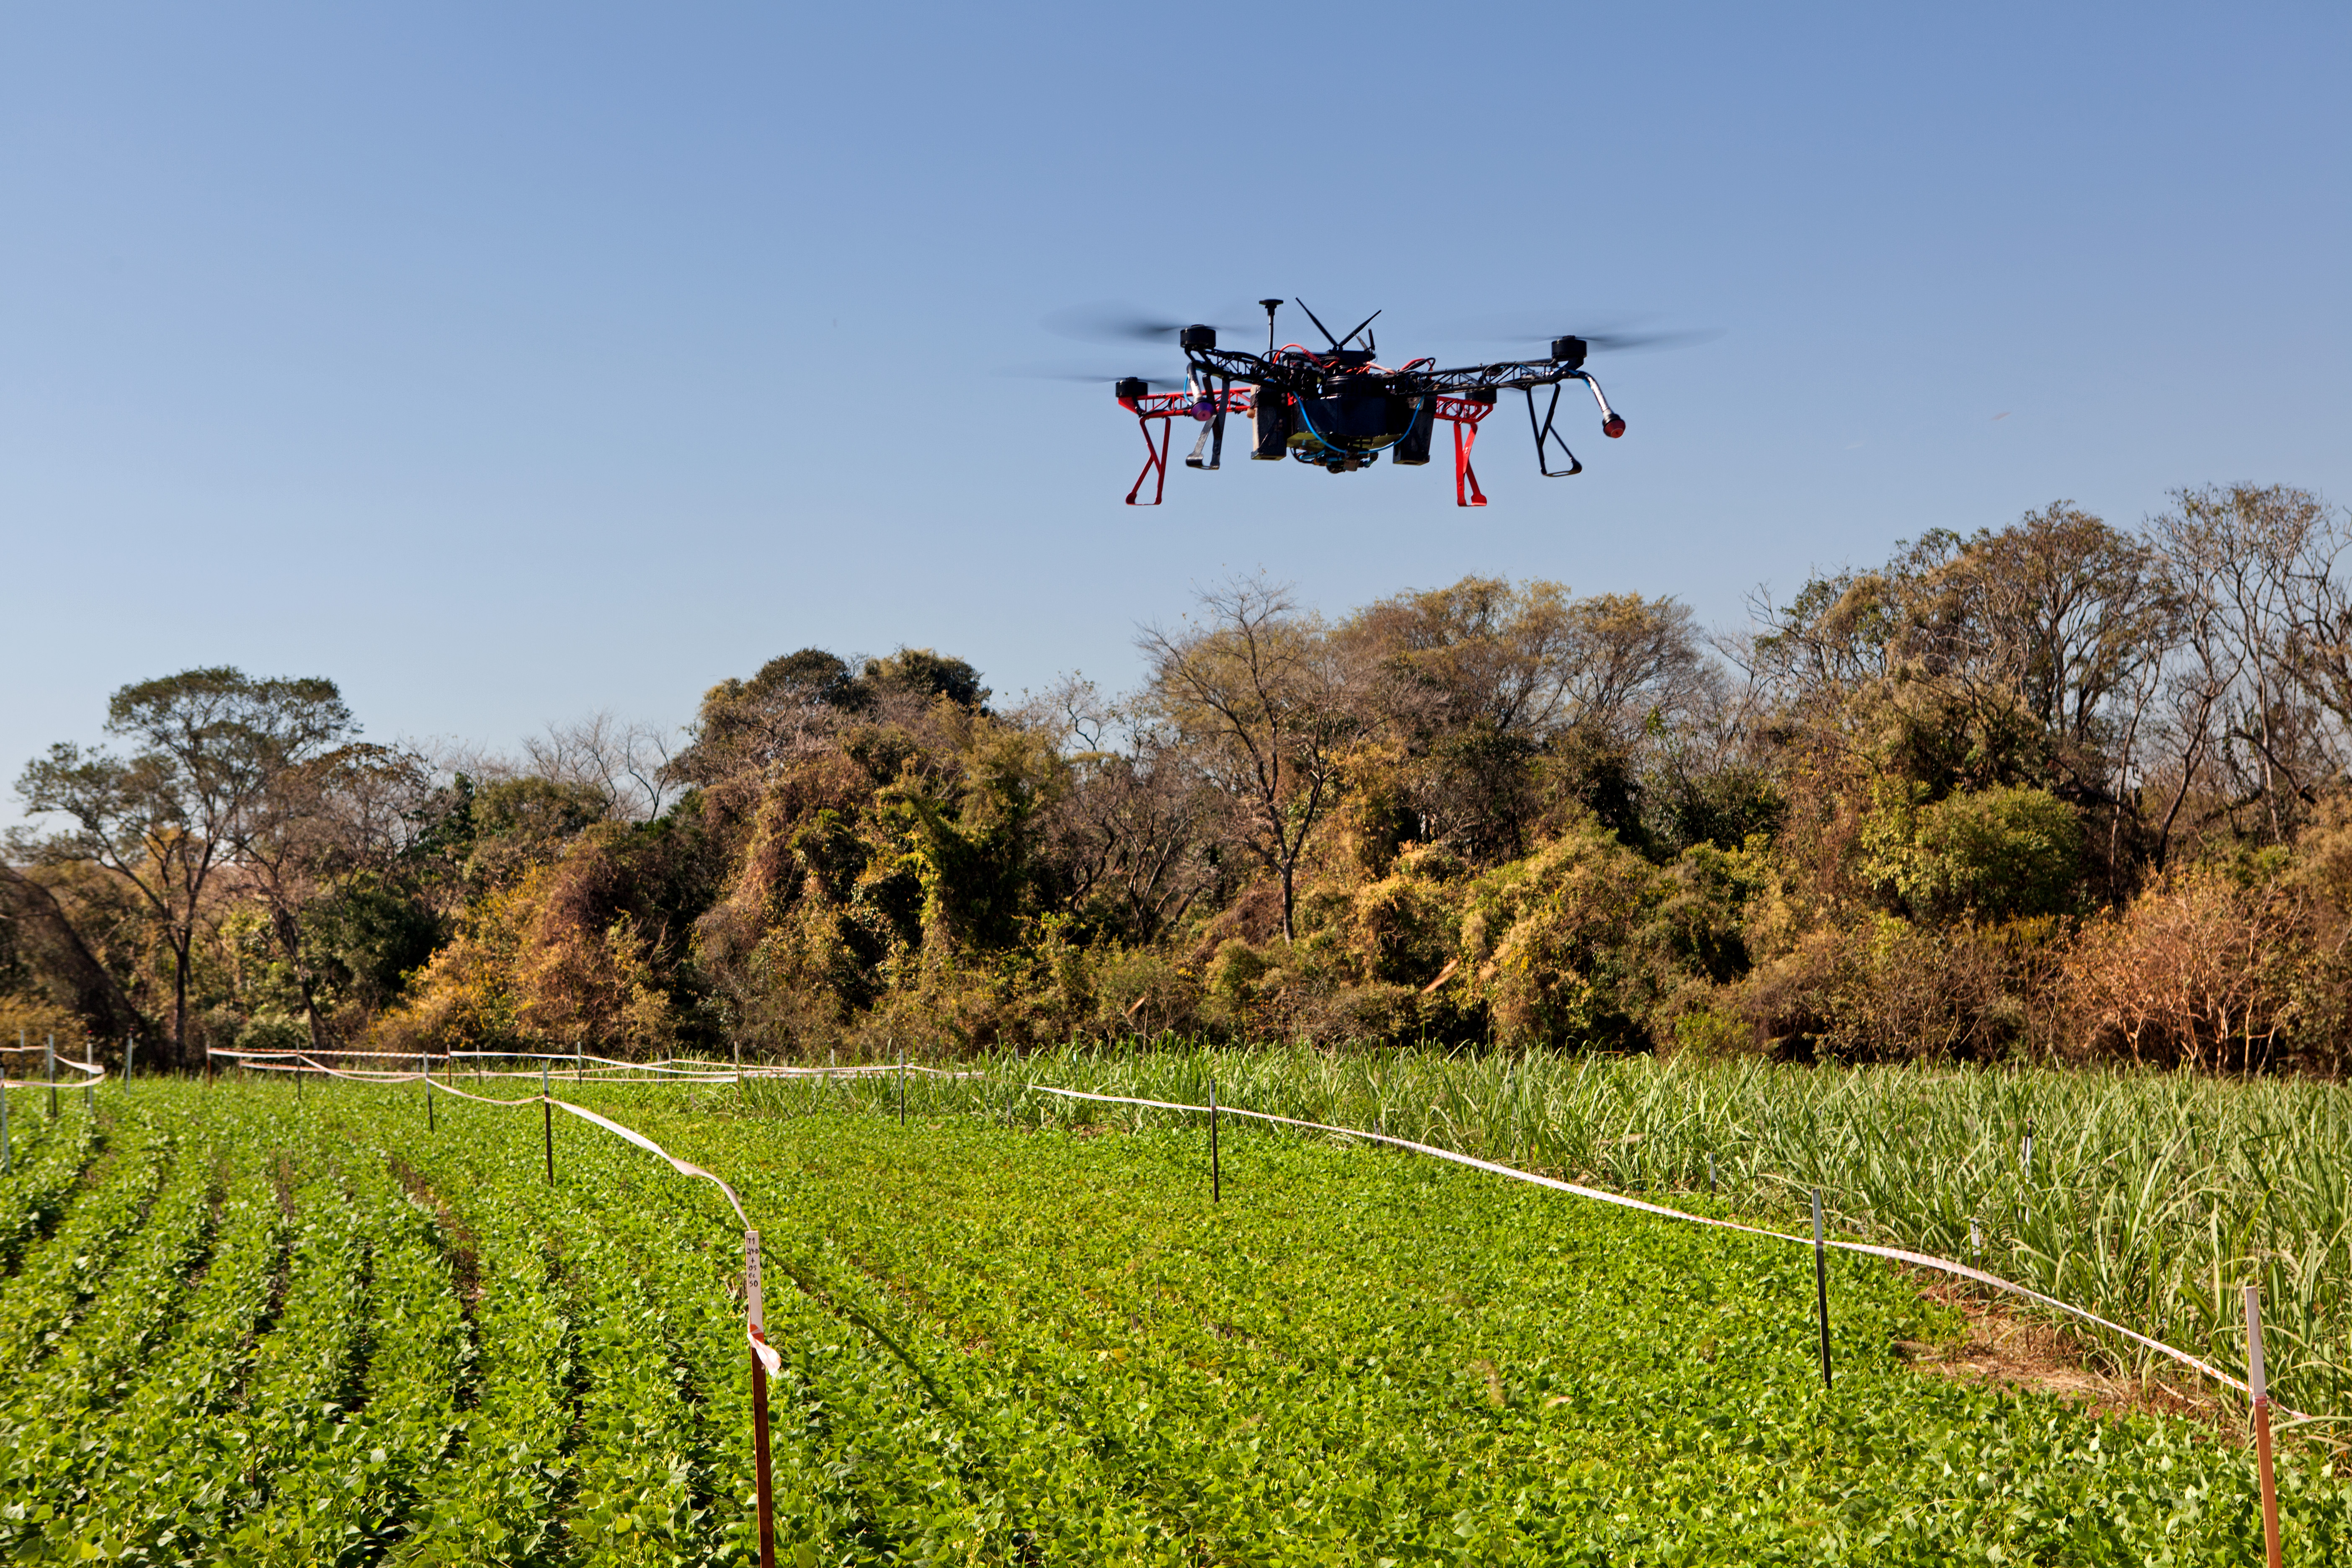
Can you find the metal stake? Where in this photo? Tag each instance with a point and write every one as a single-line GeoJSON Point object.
{"type": "Point", "coordinates": [425, 1062]}
{"type": "Point", "coordinates": [1216, 1181]}
{"type": "Point", "coordinates": [1821, 1285]}
{"type": "Point", "coordinates": [130, 1051]}
{"type": "Point", "coordinates": [8, 1159]}
{"type": "Point", "coordinates": [902, 1085]}
{"type": "Point", "coordinates": [50, 1056]}
{"type": "Point", "coordinates": [755, 1313]}
{"type": "Point", "coordinates": [1710, 1176]}
{"type": "Point", "coordinates": [2260, 1386]}
{"type": "Point", "coordinates": [547, 1120]}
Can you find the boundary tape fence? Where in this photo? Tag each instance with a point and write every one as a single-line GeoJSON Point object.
{"type": "Point", "coordinates": [765, 1362]}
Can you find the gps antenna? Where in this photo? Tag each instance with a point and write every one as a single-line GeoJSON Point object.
{"type": "Point", "coordinates": [1271, 306]}
{"type": "Point", "coordinates": [1319, 324]}
{"type": "Point", "coordinates": [1350, 338]}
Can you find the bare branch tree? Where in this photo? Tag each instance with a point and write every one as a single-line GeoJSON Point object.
{"type": "Point", "coordinates": [625, 764]}
{"type": "Point", "coordinates": [1266, 705]}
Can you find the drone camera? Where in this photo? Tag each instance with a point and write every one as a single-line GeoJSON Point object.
{"type": "Point", "coordinates": [1197, 337]}
{"type": "Point", "coordinates": [1569, 352]}
{"type": "Point", "coordinates": [1613, 427]}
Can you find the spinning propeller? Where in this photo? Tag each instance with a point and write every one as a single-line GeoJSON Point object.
{"type": "Point", "coordinates": [1116, 323]}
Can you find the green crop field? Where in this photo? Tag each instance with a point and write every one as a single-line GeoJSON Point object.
{"type": "Point", "coordinates": [241, 1325]}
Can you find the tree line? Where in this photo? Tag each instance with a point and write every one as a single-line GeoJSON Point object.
{"type": "Point", "coordinates": [2058, 789]}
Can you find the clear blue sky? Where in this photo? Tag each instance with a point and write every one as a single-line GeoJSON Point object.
{"type": "Point", "coordinates": [507, 363]}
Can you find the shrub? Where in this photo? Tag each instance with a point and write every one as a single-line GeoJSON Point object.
{"type": "Point", "coordinates": [1994, 855]}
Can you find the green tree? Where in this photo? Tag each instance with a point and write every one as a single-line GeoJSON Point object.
{"type": "Point", "coordinates": [208, 746]}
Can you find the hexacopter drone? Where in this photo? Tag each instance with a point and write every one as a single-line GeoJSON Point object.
{"type": "Point", "coordinates": [1339, 409]}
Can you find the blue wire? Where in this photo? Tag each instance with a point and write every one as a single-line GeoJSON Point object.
{"type": "Point", "coordinates": [1309, 420]}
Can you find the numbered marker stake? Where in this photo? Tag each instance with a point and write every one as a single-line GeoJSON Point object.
{"type": "Point", "coordinates": [2259, 1387]}
{"type": "Point", "coordinates": [762, 1360]}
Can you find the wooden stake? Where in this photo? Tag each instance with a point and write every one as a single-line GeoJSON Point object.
{"type": "Point", "coordinates": [547, 1120]}
{"type": "Point", "coordinates": [1821, 1285]}
{"type": "Point", "coordinates": [2260, 1386]}
{"type": "Point", "coordinates": [1216, 1181]}
{"type": "Point", "coordinates": [755, 1315]}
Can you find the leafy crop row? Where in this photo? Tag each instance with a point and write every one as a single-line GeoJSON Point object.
{"type": "Point", "coordinates": [2150, 1198]}
{"type": "Point", "coordinates": [336, 1339]}
{"type": "Point", "coordinates": [45, 1167]}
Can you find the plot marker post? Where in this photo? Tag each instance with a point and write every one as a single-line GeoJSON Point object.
{"type": "Point", "coordinates": [547, 1120]}
{"type": "Point", "coordinates": [50, 1056]}
{"type": "Point", "coordinates": [1216, 1178]}
{"type": "Point", "coordinates": [8, 1160]}
{"type": "Point", "coordinates": [1821, 1285]}
{"type": "Point", "coordinates": [2259, 1386]}
{"type": "Point", "coordinates": [755, 1312]}
{"type": "Point", "coordinates": [902, 1085]}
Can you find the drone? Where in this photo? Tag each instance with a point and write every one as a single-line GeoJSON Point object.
{"type": "Point", "coordinates": [1339, 409]}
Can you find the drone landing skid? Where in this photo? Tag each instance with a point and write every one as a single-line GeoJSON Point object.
{"type": "Point", "coordinates": [1463, 413]}
{"type": "Point", "coordinates": [1545, 434]}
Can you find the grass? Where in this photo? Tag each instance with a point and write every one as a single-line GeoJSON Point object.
{"type": "Point", "coordinates": [1006, 1339]}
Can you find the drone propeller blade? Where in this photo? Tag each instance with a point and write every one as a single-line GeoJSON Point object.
{"type": "Point", "coordinates": [1674, 340]}
{"type": "Point", "coordinates": [1100, 377]}
{"type": "Point", "coordinates": [1110, 322]}
{"type": "Point", "coordinates": [1534, 326]}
